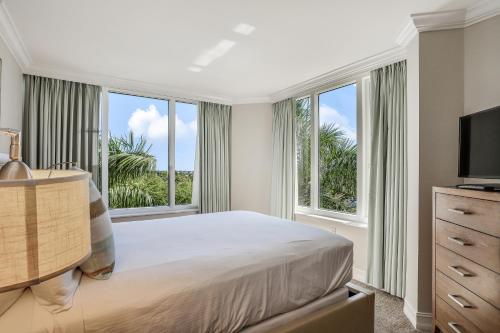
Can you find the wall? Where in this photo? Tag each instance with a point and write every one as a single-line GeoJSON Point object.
{"type": "Point", "coordinates": [439, 105]}
{"type": "Point", "coordinates": [412, 228]}
{"type": "Point", "coordinates": [482, 71]}
{"type": "Point", "coordinates": [251, 157]}
{"type": "Point", "coordinates": [482, 65]}
{"type": "Point", "coordinates": [11, 94]}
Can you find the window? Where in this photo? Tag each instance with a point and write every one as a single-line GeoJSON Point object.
{"type": "Point", "coordinates": [150, 157]}
{"type": "Point", "coordinates": [330, 157]}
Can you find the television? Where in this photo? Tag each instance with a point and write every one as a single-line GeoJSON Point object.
{"type": "Point", "coordinates": [479, 155]}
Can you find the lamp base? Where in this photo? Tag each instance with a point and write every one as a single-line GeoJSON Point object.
{"type": "Point", "coordinates": [15, 170]}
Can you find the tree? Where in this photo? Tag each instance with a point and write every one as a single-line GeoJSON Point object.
{"type": "Point", "coordinates": [129, 160]}
{"type": "Point", "coordinates": [337, 163]}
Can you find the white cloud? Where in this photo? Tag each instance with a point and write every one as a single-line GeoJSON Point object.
{"type": "Point", "coordinates": [153, 125]}
{"type": "Point", "coordinates": [183, 129]}
{"type": "Point", "coordinates": [330, 115]}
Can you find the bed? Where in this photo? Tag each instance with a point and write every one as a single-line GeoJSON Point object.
{"type": "Point", "coordinates": [225, 272]}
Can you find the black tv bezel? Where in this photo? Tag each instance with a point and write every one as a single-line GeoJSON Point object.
{"type": "Point", "coordinates": [462, 166]}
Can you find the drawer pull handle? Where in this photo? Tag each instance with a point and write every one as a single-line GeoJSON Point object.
{"type": "Point", "coordinates": [454, 327]}
{"type": "Point", "coordinates": [459, 241]}
{"type": "Point", "coordinates": [455, 299]}
{"type": "Point", "coordinates": [460, 271]}
{"type": "Point", "coordinates": [458, 211]}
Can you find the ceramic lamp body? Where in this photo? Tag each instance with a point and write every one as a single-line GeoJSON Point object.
{"type": "Point", "coordinates": [44, 226]}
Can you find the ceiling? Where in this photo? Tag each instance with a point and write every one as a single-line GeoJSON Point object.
{"type": "Point", "coordinates": [232, 49]}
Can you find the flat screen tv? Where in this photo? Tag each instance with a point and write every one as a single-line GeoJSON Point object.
{"type": "Point", "coordinates": [480, 145]}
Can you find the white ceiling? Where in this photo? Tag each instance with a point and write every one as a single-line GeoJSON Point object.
{"type": "Point", "coordinates": [156, 42]}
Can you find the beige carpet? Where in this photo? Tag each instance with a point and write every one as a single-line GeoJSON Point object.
{"type": "Point", "coordinates": [389, 316]}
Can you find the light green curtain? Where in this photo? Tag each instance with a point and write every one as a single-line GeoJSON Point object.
{"type": "Point", "coordinates": [214, 130]}
{"type": "Point", "coordinates": [60, 123]}
{"type": "Point", "coordinates": [283, 161]}
{"type": "Point", "coordinates": [388, 180]}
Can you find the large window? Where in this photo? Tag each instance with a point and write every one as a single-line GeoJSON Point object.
{"type": "Point", "coordinates": [331, 159]}
{"type": "Point", "coordinates": [151, 149]}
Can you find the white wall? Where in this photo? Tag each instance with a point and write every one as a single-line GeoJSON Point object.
{"type": "Point", "coordinates": [482, 65]}
{"type": "Point", "coordinates": [11, 95]}
{"type": "Point", "coordinates": [251, 157]}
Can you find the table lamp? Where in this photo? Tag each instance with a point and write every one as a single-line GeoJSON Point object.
{"type": "Point", "coordinates": [44, 221]}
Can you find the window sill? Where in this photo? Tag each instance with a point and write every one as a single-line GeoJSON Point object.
{"type": "Point", "coordinates": [329, 219]}
{"type": "Point", "coordinates": [151, 211]}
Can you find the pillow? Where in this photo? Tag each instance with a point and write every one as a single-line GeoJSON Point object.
{"type": "Point", "coordinates": [56, 294]}
{"type": "Point", "coordinates": [102, 259]}
{"type": "Point", "coordinates": [8, 298]}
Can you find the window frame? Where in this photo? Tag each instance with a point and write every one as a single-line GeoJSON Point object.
{"type": "Point", "coordinates": [172, 208]}
{"type": "Point", "coordinates": [363, 156]}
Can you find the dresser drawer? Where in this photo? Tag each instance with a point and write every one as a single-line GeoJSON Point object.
{"type": "Point", "coordinates": [481, 281]}
{"type": "Point", "coordinates": [451, 321]}
{"type": "Point", "coordinates": [483, 315]}
{"type": "Point", "coordinates": [476, 246]}
{"type": "Point", "coordinates": [477, 214]}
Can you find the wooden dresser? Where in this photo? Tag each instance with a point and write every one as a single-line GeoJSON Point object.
{"type": "Point", "coordinates": [466, 261]}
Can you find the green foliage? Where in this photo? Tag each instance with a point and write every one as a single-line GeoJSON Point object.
{"type": "Point", "coordinates": [337, 170]}
{"type": "Point", "coordinates": [337, 164]}
{"type": "Point", "coordinates": [133, 179]}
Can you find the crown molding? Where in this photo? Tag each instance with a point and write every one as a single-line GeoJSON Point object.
{"type": "Point", "coordinates": [456, 19]}
{"type": "Point", "coordinates": [407, 34]}
{"type": "Point", "coordinates": [354, 69]}
{"type": "Point", "coordinates": [252, 100]}
{"type": "Point", "coordinates": [12, 38]}
{"type": "Point", "coordinates": [122, 84]}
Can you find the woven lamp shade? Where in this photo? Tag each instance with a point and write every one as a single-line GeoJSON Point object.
{"type": "Point", "coordinates": [44, 226]}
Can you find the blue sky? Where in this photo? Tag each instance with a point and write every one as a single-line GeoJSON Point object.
{"type": "Point", "coordinates": [149, 117]}
{"type": "Point", "coordinates": [339, 106]}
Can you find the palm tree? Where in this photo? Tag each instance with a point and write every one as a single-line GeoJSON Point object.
{"type": "Point", "coordinates": [337, 163]}
{"type": "Point", "coordinates": [129, 159]}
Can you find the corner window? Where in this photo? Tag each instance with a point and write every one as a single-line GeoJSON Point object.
{"type": "Point", "coordinates": [332, 161]}
{"type": "Point", "coordinates": [148, 157]}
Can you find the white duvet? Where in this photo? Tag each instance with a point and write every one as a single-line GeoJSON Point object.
{"type": "Point", "coordinates": [203, 273]}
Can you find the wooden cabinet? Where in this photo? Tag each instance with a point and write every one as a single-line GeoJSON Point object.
{"type": "Point", "coordinates": [466, 261]}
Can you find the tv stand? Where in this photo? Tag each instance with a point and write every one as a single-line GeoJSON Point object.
{"type": "Point", "coordinates": [480, 187]}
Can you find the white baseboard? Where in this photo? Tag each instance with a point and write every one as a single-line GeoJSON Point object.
{"type": "Point", "coordinates": [359, 274]}
{"type": "Point", "coordinates": [422, 321]}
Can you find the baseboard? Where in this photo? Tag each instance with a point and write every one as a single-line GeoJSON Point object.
{"type": "Point", "coordinates": [359, 274]}
{"type": "Point", "coordinates": [422, 321]}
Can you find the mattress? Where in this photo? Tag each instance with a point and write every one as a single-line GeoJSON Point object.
{"type": "Point", "coordinates": [218, 272]}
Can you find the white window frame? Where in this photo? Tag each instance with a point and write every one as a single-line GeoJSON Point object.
{"type": "Point", "coordinates": [363, 158]}
{"type": "Point", "coordinates": [172, 208]}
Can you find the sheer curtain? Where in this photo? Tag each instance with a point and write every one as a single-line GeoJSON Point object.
{"type": "Point", "coordinates": [60, 123]}
{"type": "Point", "coordinates": [388, 180]}
{"type": "Point", "coordinates": [283, 164]}
{"type": "Point", "coordinates": [212, 176]}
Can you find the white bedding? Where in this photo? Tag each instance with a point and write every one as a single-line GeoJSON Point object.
{"type": "Point", "coordinates": [202, 273]}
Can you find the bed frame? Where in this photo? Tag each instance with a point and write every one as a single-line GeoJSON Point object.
{"type": "Point", "coordinates": [356, 314]}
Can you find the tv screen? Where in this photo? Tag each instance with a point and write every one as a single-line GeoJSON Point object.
{"type": "Point", "coordinates": [480, 145]}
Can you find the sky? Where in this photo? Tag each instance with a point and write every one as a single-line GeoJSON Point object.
{"type": "Point", "coordinates": [339, 106]}
{"type": "Point", "coordinates": [149, 117]}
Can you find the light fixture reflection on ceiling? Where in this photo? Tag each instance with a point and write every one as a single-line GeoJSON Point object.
{"type": "Point", "coordinates": [195, 69]}
{"type": "Point", "coordinates": [244, 29]}
{"type": "Point", "coordinates": [208, 56]}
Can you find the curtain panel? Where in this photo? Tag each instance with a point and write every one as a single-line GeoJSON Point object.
{"type": "Point", "coordinates": [283, 160]}
{"type": "Point", "coordinates": [214, 176]}
{"type": "Point", "coordinates": [388, 180]}
{"type": "Point", "coordinates": [60, 123]}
